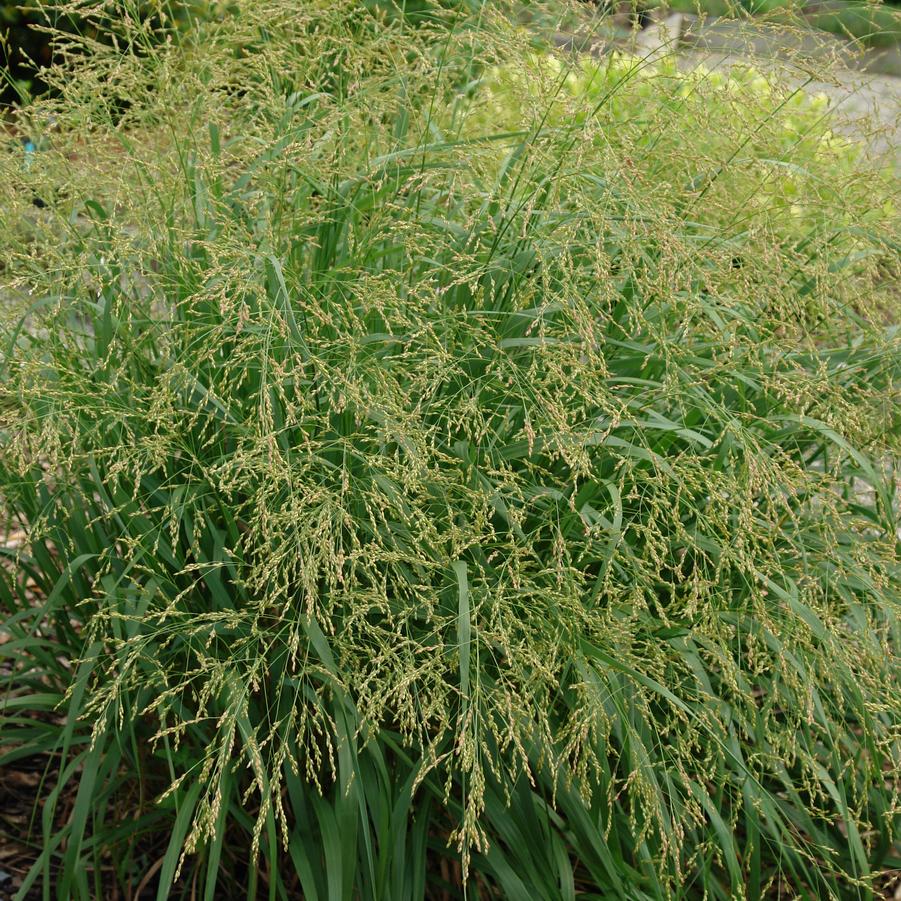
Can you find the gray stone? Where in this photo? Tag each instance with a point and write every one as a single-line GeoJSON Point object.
{"type": "Point", "coordinates": [740, 38]}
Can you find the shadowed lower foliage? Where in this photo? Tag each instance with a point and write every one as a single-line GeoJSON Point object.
{"type": "Point", "coordinates": [411, 500]}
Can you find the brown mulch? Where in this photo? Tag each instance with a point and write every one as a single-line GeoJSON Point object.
{"type": "Point", "coordinates": [19, 824]}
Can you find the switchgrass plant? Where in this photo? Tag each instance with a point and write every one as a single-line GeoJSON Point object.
{"type": "Point", "coordinates": [411, 500]}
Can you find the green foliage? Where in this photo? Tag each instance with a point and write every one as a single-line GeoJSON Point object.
{"type": "Point", "coordinates": [764, 153]}
{"type": "Point", "coordinates": [874, 25]}
{"type": "Point", "coordinates": [427, 476]}
{"type": "Point", "coordinates": [421, 10]}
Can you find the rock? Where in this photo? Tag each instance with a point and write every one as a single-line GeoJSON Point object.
{"type": "Point", "coordinates": [660, 38]}
{"type": "Point", "coordinates": [750, 39]}
{"type": "Point", "coordinates": [882, 60]}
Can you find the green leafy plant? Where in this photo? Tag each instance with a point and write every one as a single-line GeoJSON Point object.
{"type": "Point", "coordinates": [874, 25]}
{"type": "Point", "coordinates": [418, 496]}
{"type": "Point", "coordinates": [772, 144]}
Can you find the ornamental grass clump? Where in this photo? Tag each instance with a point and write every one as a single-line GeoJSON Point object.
{"type": "Point", "coordinates": [415, 502]}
